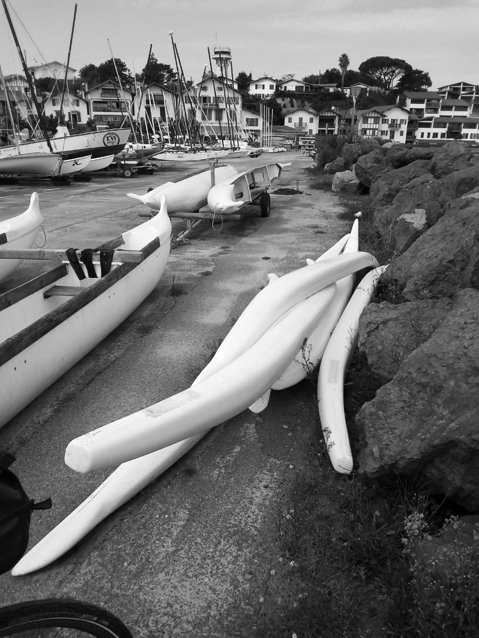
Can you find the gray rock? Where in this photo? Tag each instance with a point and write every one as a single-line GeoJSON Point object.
{"type": "Point", "coordinates": [388, 333]}
{"type": "Point", "coordinates": [339, 164]}
{"type": "Point", "coordinates": [345, 182]}
{"type": "Point", "coordinates": [453, 156]}
{"type": "Point", "coordinates": [370, 166]}
{"type": "Point", "coordinates": [389, 184]}
{"type": "Point", "coordinates": [444, 259]}
{"type": "Point", "coordinates": [424, 421]}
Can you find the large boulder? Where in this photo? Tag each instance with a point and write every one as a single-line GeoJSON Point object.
{"type": "Point", "coordinates": [453, 156]}
{"type": "Point", "coordinates": [389, 184]}
{"type": "Point", "coordinates": [424, 421]}
{"type": "Point", "coordinates": [422, 192]}
{"type": "Point", "coordinates": [388, 333]}
{"type": "Point", "coordinates": [351, 153]}
{"type": "Point", "coordinates": [401, 156]}
{"type": "Point", "coordinates": [444, 259]}
{"type": "Point", "coordinates": [339, 164]}
{"type": "Point", "coordinates": [345, 182]}
{"type": "Point", "coordinates": [370, 166]}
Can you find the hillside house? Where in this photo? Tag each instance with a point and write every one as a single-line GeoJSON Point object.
{"type": "Point", "coordinates": [153, 106]}
{"type": "Point", "coordinates": [75, 108]}
{"type": "Point", "coordinates": [218, 108]}
{"type": "Point", "coordinates": [388, 122]}
{"type": "Point", "coordinates": [304, 120]}
{"type": "Point", "coordinates": [263, 87]}
{"type": "Point", "coordinates": [52, 70]}
{"type": "Point", "coordinates": [251, 124]}
{"type": "Point", "coordinates": [108, 103]}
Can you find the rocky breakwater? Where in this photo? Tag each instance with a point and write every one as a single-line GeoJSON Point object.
{"type": "Point", "coordinates": [420, 336]}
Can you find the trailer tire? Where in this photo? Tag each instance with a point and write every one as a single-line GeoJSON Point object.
{"type": "Point", "coordinates": [265, 204]}
{"type": "Point", "coordinates": [127, 172]}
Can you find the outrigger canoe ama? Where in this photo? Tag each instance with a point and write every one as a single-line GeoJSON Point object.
{"type": "Point", "coordinates": [52, 321]}
{"type": "Point", "coordinates": [187, 195]}
{"type": "Point", "coordinates": [249, 187]}
{"type": "Point", "coordinates": [19, 232]}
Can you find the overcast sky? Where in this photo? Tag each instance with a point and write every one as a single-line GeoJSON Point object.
{"type": "Point", "coordinates": [273, 37]}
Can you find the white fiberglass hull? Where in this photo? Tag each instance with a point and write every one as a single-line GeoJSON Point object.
{"type": "Point", "coordinates": [28, 366]}
{"type": "Point", "coordinates": [188, 194]}
{"type": "Point", "coordinates": [331, 374]}
{"type": "Point", "coordinates": [74, 165]}
{"type": "Point", "coordinates": [205, 404]}
{"type": "Point", "coordinates": [30, 163]}
{"type": "Point", "coordinates": [98, 163]}
{"type": "Point", "coordinates": [19, 232]}
{"type": "Point", "coordinates": [189, 156]}
{"type": "Point", "coordinates": [228, 196]}
{"type": "Point", "coordinates": [279, 296]}
{"type": "Point", "coordinates": [307, 360]}
{"type": "Point", "coordinates": [100, 143]}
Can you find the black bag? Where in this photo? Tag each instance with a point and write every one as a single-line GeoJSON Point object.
{"type": "Point", "coordinates": [15, 513]}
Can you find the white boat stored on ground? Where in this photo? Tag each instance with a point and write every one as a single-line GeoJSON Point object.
{"type": "Point", "coordinates": [88, 294]}
{"type": "Point", "coordinates": [98, 163]}
{"type": "Point", "coordinates": [332, 369]}
{"type": "Point", "coordinates": [279, 296]}
{"type": "Point", "coordinates": [248, 187]}
{"type": "Point", "coordinates": [190, 155]}
{"type": "Point", "coordinates": [19, 232]}
{"type": "Point", "coordinates": [74, 165]}
{"type": "Point", "coordinates": [40, 163]}
{"type": "Point", "coordinates": [189, 193]}
{"type": "Point", "coordinates": [205, 404]}
{"type": "Point", "coordinates": [98, 143]}
{"type": "Point", "coordinates": [126, 481]}
{"type": "Point", "coordinates": [309, 357]}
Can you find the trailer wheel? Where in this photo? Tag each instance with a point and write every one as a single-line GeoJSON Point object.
{"type": "Point", "coordinates": [127, 172]}
{"type": "Point", "coordinates": [265, 204]}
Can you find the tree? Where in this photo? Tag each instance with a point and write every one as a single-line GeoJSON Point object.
{"type": "Point", "coordinates": [383, 71]}
{"type": "Point", "coordinates": [343, 65]}
{"type": "Point", "coordinates": [107, 71]}
{"type": "Point", "coordinates": [89, 74]}
{"type": "Point", "coordinates": [158, 72]}
{"type": "Point", "coordinates": [243, 80]}
{"type": "Point", "coordinates": [414, 80]}
{"type": "Point", "coordinates": [312, 79]}
{"type": "Point", "coordinates": [331, 76]}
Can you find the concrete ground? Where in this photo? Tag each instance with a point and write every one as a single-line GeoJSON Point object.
{"type": "Point", "coordinates": [198, 552]}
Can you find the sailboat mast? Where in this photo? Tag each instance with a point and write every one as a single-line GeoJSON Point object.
{"type": "Point", "coordinates": [178, 73]}
{"type": "Point", "coordinates": [9, 108]}
{"type": "Point", "coordinates": [27, 75]}
{"type": "Point", "coordinates": [216, 99]}
{"type": "Point", "coordinates": [141, 95]}
{"type": "Point", "coordinates": [62, 117]}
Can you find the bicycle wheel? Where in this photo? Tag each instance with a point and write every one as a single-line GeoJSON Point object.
{"type": "Point", "coordinates": [60, 617]}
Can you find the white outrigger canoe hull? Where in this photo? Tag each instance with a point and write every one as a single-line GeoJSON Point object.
{"type": "Point", "coordinates": [19, 232]}
{"type": "Point", "coordinates": [230, 195]}
{"type": "Point", "coordinates": [332, 369]}
{"type": "Point", "coordinates": [44, 333]}
{"type": "Point", "coordinates": [130, 477]}
{"type": "Point", "coordinates": [188, 194]}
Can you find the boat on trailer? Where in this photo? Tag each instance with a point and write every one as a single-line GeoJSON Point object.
{"type": "Point", "coordinates": [52, 321]}
{"type": "Point", "coordinates": [188, 194]}
{"type": "Point", "coordinates": [18, 232]}
{"type": "Point", "coordinates": [248, 187]}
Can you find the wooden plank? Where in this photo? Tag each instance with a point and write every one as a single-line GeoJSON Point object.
{"type": "Point", "coordinates": [11, 297]}
{"type": "Point", "coordinates": [58, 254]}
{"type": "Point", "coordinates": [62, 291]}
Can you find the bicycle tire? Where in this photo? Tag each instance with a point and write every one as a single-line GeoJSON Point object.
{"type": "Point", "coordinates": [75, 617]}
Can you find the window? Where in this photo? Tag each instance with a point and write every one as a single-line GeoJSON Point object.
{"type": "Point", "coordinates": [290, 119]}
{"type": "Point", "coordinates": [435, 135]}
{"type": "Point", "coordinates": [311, 120]}
{"type": "Point", "coordinates": [252, 121]}
{"type": "Point", "coordinates": [385, 120]}
{"type": "Point", "coordinates": [271, 87]}
{"type": "Point", "coordinates": [54, 101]}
